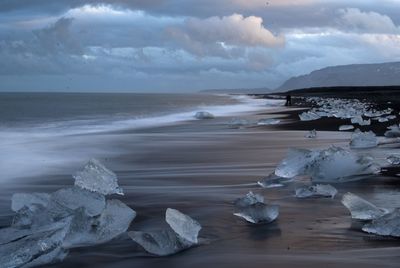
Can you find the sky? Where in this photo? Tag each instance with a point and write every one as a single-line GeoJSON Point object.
{"type": "Point", "coordinates": [187, 45]}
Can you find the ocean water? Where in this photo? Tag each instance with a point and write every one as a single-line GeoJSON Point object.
{"type": "Point", "coordinates": [43, 133]}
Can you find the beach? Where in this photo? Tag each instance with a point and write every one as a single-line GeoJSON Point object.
{"type": "Point", "coordinates": [200, 167]}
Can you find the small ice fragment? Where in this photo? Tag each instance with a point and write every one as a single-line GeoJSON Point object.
{"type": "Point", "coordinates": [387, 225]}
{"type": "Point", "coordinates": [238, 123]}
{"type": "Point", "coordinates": [394, 159]}
{"type": "Point", "coordinates": [362, 140]}
{"type": "Point", "coordinates": [204, 115]}
{"type": "Point", "coordinates": [346, 127]}
{"type": "Point", "coordinates": [323, 190]}
{"type": "Point", "coordinates": [311, 134]}
{"type": "Point", "coordinates": [75, 197]}
{"type": "Point", "coordinates": [273, 181]}
{"type": "Point", "coordinates": [96, 177]}
{"type": "Point", "coordinates": [309, 116]}
{"type": "Point", "coordinates": [271, 121]}
{"type": "Point", "coordinates": [393, 132]}
{"type": "Point", "coordinates": [20, 200]}
{"type": "Point", "coordinates": [361, 209]}
{"type": "Point", "coordinates": [249, 199]}
{"type": "Point", "coordinates": [259, 213]}
{"type": "Point", "coordinates": [383, 119]}
{"type": "Point", "coordinates": [359, 120]}
{"type": "Point", "coordinates": [183, 225]}
{"type": "Point", "coordinates": [160, 243]}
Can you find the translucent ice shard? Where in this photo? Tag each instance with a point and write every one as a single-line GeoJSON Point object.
{"type": "Point", "coordinates": [309, 116]}
{"type": "Point", "coordinates": [20, 200]}
{"type": "Point", "coordinates": [319, 190]}
{"type": "Point", "coordinates": [387, 225]}
{"type": "Point", "coordinates": [311, 134]}
{"type": "Point", "coordinates": [74, 197]}
{"type": "Point", "coordinates": [258, 213]}
{"type": "Point", "coordinates": [334, 164]}
{"type": "Point", "coordinates": [295, 163]}
{"type": "Point", "coordinates": [238, 123]}
{"type": "Point", "coordinates": [249, 199]}
{"type": "Point", "coordinates": [394, 159]}
{"type": "Point", "coordinates": [204, 115]}
{"type": "Point", "coordinates": [359, 120]}
{"type": "Point", "coordinates": [97, 178]}
{"type": "Point", "coordinates": [183, 225]}
{"type": "Point", "coordinates": [160, 243]}
{"type": "Point", "coordinates": [270, 121]}
{"type": "Point", "coordinates": [86, 231]}
{"type": "Point", "coordinates": [361, 140]}
{"type": "Point", "coordinates": [346, 127]}
{"type": "Point", "coordinates": [361, 209]}
{"type": "Point", "coordinates": [182, 234]}
{"type": "Point", "coordinates": [273, 181]}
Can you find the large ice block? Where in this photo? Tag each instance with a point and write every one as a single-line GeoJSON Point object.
{"type": "Point", "coordinates": [318, 190]}
{"type": "Point", "coordinates": [20, 200]}
{"type": "Point", "coordinates": [258, 213]}
{"type": "Point", "coordinates": [183, 225]}
{"type": "Point", "coordinates": [361, 209]}
{"type": "Point", "coordinates": [96, 177]}
{"type": "Point", "coordinates": [249, 199]}
{"type": "Point", "coordinates": [361, 140]}
{"type": "Point", "coordinates": [387, 225]}
{"type": "Point", "coordinates": [295, 163]}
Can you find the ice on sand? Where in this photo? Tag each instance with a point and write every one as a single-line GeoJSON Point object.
{"type": "Point", "coordinates": [96, 177]}
{"type": "Point", "coordinates": [20, 200]}
{"type": "Point", "coordinates": [309, 116]}
{"type": "Point", "coordinates": [273, 181]}
{"type": "Point", "coordinates": [204, 115]}
{"type": "Point", "coordinates": [270, 121]}
{"type": "Point", "coordinates": [393, 159]}
{"type": "Point", "coordinates": [346, 127]}
{"type": "Point", "coordinates": [319, 190]}
{"type": "Point", "coordinates": [387, 225]}
{"type": "Point", "coordinates": [393, 132]}
{"type": "Point", "coordinates": [238, 123]}
{"type": "Point", "coordinates": [360, 208]}
{"type": "Point", "coordinates": [311, 134]}
{"type": "Point", "coordinates": [361, 140]}
{"type": "Point", "coordinates": [182, 234]}
{"type": "Point", "coordinates": [360, 121]}
{"type": "Point", "coordinates": [249, 199]}
{"type": "Point", "coordinates": [334, 164]}
{"type": "Point", "coordinates": [258, 213]}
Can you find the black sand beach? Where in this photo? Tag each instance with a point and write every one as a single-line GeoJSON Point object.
{"type": "Point", "coordinates": [201, 167]}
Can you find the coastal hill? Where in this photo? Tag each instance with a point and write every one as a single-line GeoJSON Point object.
{"type": "Point", "coordinates": [382, 74]}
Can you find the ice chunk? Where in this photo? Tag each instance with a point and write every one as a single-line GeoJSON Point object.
{"type": "Point", "coordinates": [295, 163]}
{"type": "Point", "coordinates": [273, 181]}
{"type": "Point", "coordinates": [361, 140]}
{"type": "Point", "coordinates": [359, 120]}
{"type": "Point", "coordinates": [160, 243]}
{"type": "Point", "coordinates": [183, 225]}
{"type": "Point", "coordinates": [309, 116]}
{"type": "Point", "coordinates": [20, 200]}
{"type": "Point", "coordinates": [361, 209]}
{"type": "Point", "coordinates": [393, 132]}
{"type": "Point", "coordinates": [346, 127]}
{"type": "Point", "coordinates": [96, 177]}
{"type": "Point", "coordinates": [249, 199]}
{"type": "Point", "coordinates": [334, 164]}
{"type": "Point", "coordinates": [38, 248]}
{"type": "Point", "coordinates": [271, 121]}
{"type": "Point", "coordinates": [387, 225]}
{"type": "Point", "coordinates": [259, 213]}
{"type": "Point", "coordinates": [316, 190]}
{"type": "Point", "coordinates": [311, 134]}
{"type": "Point", "coordinates": [238, 123]}
{"type": "Point", "coordinates": [181, 235]}
{"type": "Point", "coordinates": [86, 231]}
{"type": "Point", "coordinates": [394, 159]}
{"type": "Point", "coordinates": [204, 115]}
{"type": "Point", "coordinates": [54, 256]}
{"type": "Point", "coordinates": [383, 119]}
{"type": "Point", "coordinates": [75, 197]}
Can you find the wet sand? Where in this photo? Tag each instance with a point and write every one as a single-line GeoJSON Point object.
{"type": "Point", "coordinates": [200, 168]}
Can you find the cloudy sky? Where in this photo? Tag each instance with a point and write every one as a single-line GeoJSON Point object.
{"type": "Point", "coordinates": [186, 45]}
